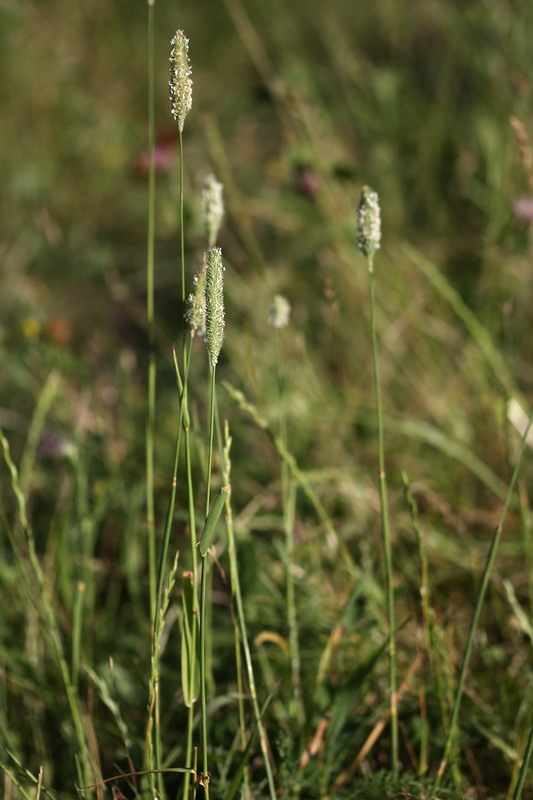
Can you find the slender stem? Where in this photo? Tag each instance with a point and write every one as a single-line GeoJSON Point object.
{"type": "Point", "coordinates": [236, 591]}
{"type": "Point", "coordinates": [211, 437]}
{"type": "Point", "coordinates": [209, 610]}
{"type": "Point", "coordinates": [150, 420]}
{"type": "Point", "coordinates": [190, 492]}
{"type": "Point", "coordinates": [517, 794]}
{"type": "Point", "coordinates": [203, 682]}
{"type": "Point", "coordinates": [77, 628]}
{"type": "Point", "coordinates": [485, 579]}
{"type": "Point", "coordinates": [387, 545]}
{"type": "Point", "coordinates": [156, 761]}
{"type": "Point", "coordinates": [182, 230]}
{"type": "Point", "coordinates": [194, 570]}
{"type": "Point", "coordinates": [253, 694]}
{"type": "Point", "coordinates": [203, 591]}
{"type": "Point", "coordinates": [234, 578]}
{"type": "Point", "coordinates": [150, 247]}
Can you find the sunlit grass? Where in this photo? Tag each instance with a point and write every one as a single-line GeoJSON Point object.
{"type": "Point", "coordinates": [100, 646]}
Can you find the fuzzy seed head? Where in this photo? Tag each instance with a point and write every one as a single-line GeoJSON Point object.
{"type": "Point", "coordinates": [195, 307]}
{"type": "Point", "coordinates": [212, 208]}
{"type": "Point", "coordinates": [180, 83]}
{"type": "Point", "coordinates": [214, 304]}
{"type": "Point", "coordinates": [279, 312]}
{"type": "Point", "coordinates": [368, 229]}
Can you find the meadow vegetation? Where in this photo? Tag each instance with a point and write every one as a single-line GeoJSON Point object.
{"type": "Point", "coordinates": [196, 572]}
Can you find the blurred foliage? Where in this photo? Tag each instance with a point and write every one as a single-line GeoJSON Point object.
{"type": "Point", "coordinates": [295, 106]}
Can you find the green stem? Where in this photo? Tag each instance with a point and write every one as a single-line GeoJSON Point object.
{"type": "Point", "coordinates": [150, 421]}
{"type": "Point", "coordinates": [211, 437]}
{"type": "Point", "coordinates": [234, 578]}
{"type": "Point", "coordinates": [194, 570]}
{"type": "Point", "coordinates": [203, 682]}
{"type": "Point", "coordinates": [182, 230]}
{"type": "Point", "coordinates": [203, 589]}
{"type": "Point", "coordinates": [485, 578]}
{"type": "Point", "coordinates": [517, 794]}
{"type": "Point", "coordinates": [236, 590]}
{"type": "Point", "coordinates": [387, 545]}
{"type": "Point", "coordinates": [77, 628]}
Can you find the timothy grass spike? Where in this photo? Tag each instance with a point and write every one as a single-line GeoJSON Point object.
{"type": "Point", "coordinates": [180, 83]}
{"type": "Point", "coordinates": [279, 312]}
{"type": "Point", "coordinates": [214, 304]}
{"type": "Point", "coordinates": [195, 307]}
{"type": "Point", "coordinates": [212, 208]}
{"type": "Point", "coordinates": [368, 229]}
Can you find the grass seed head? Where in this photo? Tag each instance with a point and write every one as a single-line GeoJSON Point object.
{"type": "Point", "coordinates": [180, 83]}
{"type": "Point", "coordinates": [279, 312]}
{"type": "Point", "coordinates": [212, 208]}
{"type": "Point", "coordinates": [195, 307]}
{"type": "Point", "coordinates": [214, 304]}
{"type": "Point", "coordinates": [368, 230]}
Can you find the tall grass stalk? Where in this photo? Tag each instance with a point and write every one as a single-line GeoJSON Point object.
{"type": "Point", "coordinates": [369, 237]}
{"type": "Point", "coordinates": [234, 578]}
{"type": "Point", "coordinates": [153, 744]}
{"type": "Point", "coordinates": [485, 579]}
{"type": "Point", "coordinates": [205, 543]}
{"type": "Point", "coordinates": [214, 335]}
{"type": "Point", "coordinates": [151, 399]}
{"type": "Point", "coordinates": [150, 248]}
{"type": "Point", "coordinates": [203, 593]}
{"type": "Point", "coordinates": [191, 669]}
{"type": "Point", "coordinates": [237, 595]}
{"type": "Point", "coordinates": [181, 102]}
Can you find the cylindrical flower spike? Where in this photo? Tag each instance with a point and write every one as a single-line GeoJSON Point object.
{"type": "Point", "coordinates": [279, 312]}
{"type": "Point", "coordinates": [180, 83]}
{"type": "Point", "coordinates": [368, 229]}
{"type": "Point", "coordinates": [195, 307]}
{"type": "Point", "coordinates": [214, 304]}
{"type": "Point", "coordinates": [212, 208]}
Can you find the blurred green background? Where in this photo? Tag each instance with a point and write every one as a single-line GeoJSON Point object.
{"type": "Point", "coordinates": [296, 105]}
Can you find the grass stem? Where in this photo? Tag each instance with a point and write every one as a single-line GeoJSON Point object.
{"type": "Point", "coordinates": [150, 248]}
{"type": "Point", "coordinates": [236, 591]}
{"type": "Point", "coordinates": [387, 544]}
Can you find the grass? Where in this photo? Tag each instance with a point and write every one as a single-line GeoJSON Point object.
{"type": "Point", "coordinates": [286, 610]}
